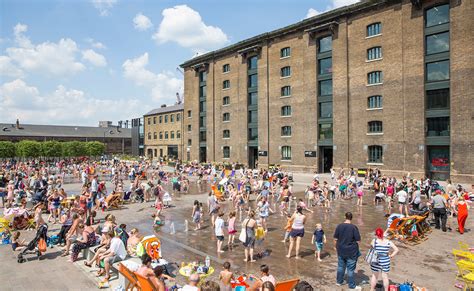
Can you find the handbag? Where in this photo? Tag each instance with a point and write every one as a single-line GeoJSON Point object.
{"type": "Point", "coordinates": [372, 255]}
{"type": "Point", "coordinates": [243, 233]}
{"type": "Point", "coordinates": [42, 247]}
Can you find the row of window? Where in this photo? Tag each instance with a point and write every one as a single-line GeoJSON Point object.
{"type": "Point", "coordinates": [166, 136]}
{"type": "Point", "coordinates": [165, 118]}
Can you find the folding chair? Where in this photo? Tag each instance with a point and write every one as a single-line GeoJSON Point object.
{"type": "Point", "coordinates": [131, 278]}
{"type": "Point", "coordinates": [286, 285]}
{"type": "Point", "coordinates": [145, 284]}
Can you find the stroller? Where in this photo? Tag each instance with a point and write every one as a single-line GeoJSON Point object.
{"type": "Point", "coordinates": [139, 195]}
{"type": "Point", "coordinates": [32, 247]}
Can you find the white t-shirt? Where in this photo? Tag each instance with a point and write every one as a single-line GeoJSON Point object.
{"type": "Point", "coordinates": [402, 196]}
{"type": "Point", "coordinates": [219, 224]}
{"type": "Point", "coordinates": [117, 247]}
{"type": "Point", "coordinates": [189, 288]}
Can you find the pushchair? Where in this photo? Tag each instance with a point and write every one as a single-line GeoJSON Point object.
{"type": "Point", "coordinates": [139, 195]}
{"type": "Point", "coordinates": [32, 247]}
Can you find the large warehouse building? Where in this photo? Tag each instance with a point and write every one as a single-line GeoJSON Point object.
{"type": "Point", "coordinates": [385, 84]}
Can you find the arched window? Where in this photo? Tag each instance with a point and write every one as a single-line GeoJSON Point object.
{"type": "Point", "coordinates": [286, 131]}
{"type": "Point", "coordinates": [286, 110]}
{"type": "Point", "coordinates": [375, 127]}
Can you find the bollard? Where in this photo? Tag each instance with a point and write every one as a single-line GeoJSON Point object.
{"type": "Point", "coordinates": [186, 224]}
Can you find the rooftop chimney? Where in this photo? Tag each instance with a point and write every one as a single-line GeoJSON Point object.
{"type": "Point", "coordinates": [164, 105]}
{"type": "Point", "coordinates": [17, 123]}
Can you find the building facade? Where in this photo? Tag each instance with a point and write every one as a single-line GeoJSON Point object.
{"type": "Point", "coordinates": [117, 140]}
{"type": "Point", "coordinates": [163, 128]}
{"type": "Point", "coordinates": [138, 137]}
{"type": "Point", "coordinates": [384, 84]}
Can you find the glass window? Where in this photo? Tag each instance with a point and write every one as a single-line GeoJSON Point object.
{"type": "Point", "coordinates": [286, 110]}
{"type": "Point", "coordinates": [149, 135]}
{"type": "Point", "coordinates": [374, 29]}
{"type": "Point", "coordinates": [226, 152]}
{"type": "Point", "coordinates": [285, 71]}
{"type": "Point", "coordinates": [437, 43]}
{"type": "Point", "coordinates": [253, 116]}
{"type": "Point", "coordinates": [374, 77]}
{"type": "Point", "coordinates": [374, 53]}
{"type": "Point", "coordinates": [172, 135]}
{"type": "Point", "coordinates": [325, 110]}
{"type": "Point", "coordinates": [325, 66]}
{"type": "Point", "coordinates": [285, 52]}
{"type": "Point", "coordinates": [226, 100]}
{"type": "Point", "coordinates": [202, 106]}
{"type": "Point", "coordinates": [252, 62]}
{"type": "Point", "coordinates": [154, 135]}
{"type": "Point", "coordinates": [226, 68]}
{"type": "Point", "coordinates": [375, 127]}
{"type": "Point", "coordinates": [226, 116]}
{"type": "Point", "coordinates": [253, 81]}
{"type": "Point", "coordinates": [253, 133]}
{"type": "Point", "coordinates": [161, 135]}
{"type": "Point", "coordinates": [203, 76]}
{"type": "Point", "coordinates": [178, 134]}
{"type": "Point", "coordinates": [437, 71]}
{"type": "Point", "coordinates": [166, 118]}
{"type": "Point", "coordinates": [189, 113]}
{"type": "Point", "coordinates": [160, 119]}
{"type": "Point", "coordinates": [226, 133]}
{"type": "Point", "coordinates": [325, 87]}
{"type": "Point", "coordinates": [154, 119]}
{"type": "Point", "coordinates": [149, 120]}
{"type": "Point", "coordinates": [190, 142]}
{"type": "Point", "coordinates": [286, 91]}
{"type": "Point", "coordinates": [438, 126]}
{"type": "Point", "coordinates": [374, 101]}
{"type": "Point", "coordinates": [189, 127]}
{"type": "Point", "coordinates": [437, 15]}
{"type": "Point", "coordinates": [178, 117]}
{"type": "Point", "coordinates": [202, 91]}
{"type": "Point", "coordinates": [375, 154]}
{"type": "Point", "coordinates": [437, 99]}
{"type": "Point", "coordinates": [325, 131]}
{"type": "Point", "coordinates": [166, 135]}
{"type": "Point", "coordinates": [325, 44]}
{"type": "Point", "coordinates": [202, 121]}
{"type": "Point", "coordinates": [172, 118]}
{"type": "Point", "coordinates": [286, 131]}
{"type": "Point", "coordinates": [202, 136]}
{"type": "Point", "coordinates": [253, 98]}
{"type": "Point", "coordinates": [438, 162]}
{"type": "Point", "coordinates": [286, 153]}
{"type": "Point", "coordinates": [226, 84]}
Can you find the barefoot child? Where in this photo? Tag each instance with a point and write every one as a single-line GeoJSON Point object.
{"type": "Point", "coordinates": [287, 228]}
{"type": "Point", "coordinates": [319, 239]}
{"type": "Point", "coordinates": [219, 231]}
{"type": "Point", "coordinates": [225, 277]}
{"type": "Point", "coordinates": [196, 215]}
{"type": "Point", "coordinates": [17, 244]}
{"type": "Point", "coordinates": [231, 228]}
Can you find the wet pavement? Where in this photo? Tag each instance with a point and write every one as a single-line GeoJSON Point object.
{"type": "Point", "coordinates": [420, 263]}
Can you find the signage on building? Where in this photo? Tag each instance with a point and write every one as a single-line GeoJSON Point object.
{"type": "Point", "coordinates": [309, 154]}
{"type": "Point", "coordinates": [262, 153]}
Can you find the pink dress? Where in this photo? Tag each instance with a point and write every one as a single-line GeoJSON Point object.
{"type": "Point", "coordinates": [231, 227]}
{"type": "Point", "coordinates": [10, 189]}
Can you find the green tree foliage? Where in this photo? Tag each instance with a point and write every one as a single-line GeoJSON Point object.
{"type": "Point", "coordinates": [7, 149]}
{"type": "Point", "coordinates": [28, 149]}
{"type": "Point", "coordinates": [75, 149]}
{"type": "Point", "coordinates": [95, 148]}
{"type": "Point", "coordinates": [51, 148]}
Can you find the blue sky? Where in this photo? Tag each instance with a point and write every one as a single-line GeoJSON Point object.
{"type": "Point", "coordinates": [78, 62]}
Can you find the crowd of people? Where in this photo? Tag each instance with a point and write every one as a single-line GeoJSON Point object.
{"type": "Point", "coordinates": [233, 191]}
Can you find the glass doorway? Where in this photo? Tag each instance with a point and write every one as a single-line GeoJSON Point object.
{"type": "Point", "coordinates": [325, 159]}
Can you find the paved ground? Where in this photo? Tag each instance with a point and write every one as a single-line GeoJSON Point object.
{"type": "Point", "coordinates": [429, 264]}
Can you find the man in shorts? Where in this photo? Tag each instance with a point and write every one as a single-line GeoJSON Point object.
{"type": "Point", "coordinates": [115, 253]}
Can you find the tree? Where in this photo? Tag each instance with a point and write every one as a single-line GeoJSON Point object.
{"type": "Point", "coordinates": [74, 149]}
{"type": "Point", "coordinates": [51, 148]}
{"type": "Point", "coordinates": [28, 149]}
{"type": "Point", "coordinates": [95, 148]}
{"type": "Point", "coordinates": [7, 149]}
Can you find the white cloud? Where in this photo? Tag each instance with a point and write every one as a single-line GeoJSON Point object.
{"type": "Point", "coordinates": [163, 86]}
{"type": "Point", "coordinates": [47, 57]}
{"type": "Point", "coordinates": [7, 68]}
{"type": "Point", "coordinates": [183, 25]}
{"type": "Point", "coordinates": [94, 58]}
{"type": "Point", "coordinates": [96, 44]}
{"type": "Point", "coordinates": [62, 106]}
{"type": "Point", "coordinates": [340, 3]}
{"type": "Point", "coordinates": [312, 12]}
{"type": "Point", "coordinates": [141, 22]}
{"type": "Point", "coordinates": [104, 6]}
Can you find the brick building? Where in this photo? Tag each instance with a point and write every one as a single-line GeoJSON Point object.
{"type": "Point", "coordinates": [163, 128]}
{"type": "Point", "coordinates": [117, 140]}
{"type": "Point", "coordinates": [385, 84]}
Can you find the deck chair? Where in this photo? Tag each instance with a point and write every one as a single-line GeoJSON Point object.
{"type": "Point", "coordinates": [286, 285]}
{"type": "Point", "coordinates": [462, 255]}
{"type": "Point", "coordinates": [131, 278]}
{"type": "Point", "coordinates": [465, 247]}
{"type": "Point", "coordinates": [466, 275]}
{"type": "Point", "coordinates": [392, 229]}
{"type": "Point", "coordinates": [144, 283]}
{"type": "Point", "coordinates": [5, 224]}
{"type": "Point", "coordinates": [112, 201]}
{"type": "Point", "coordinates": [31, 224]}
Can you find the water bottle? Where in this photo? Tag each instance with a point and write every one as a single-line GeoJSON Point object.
{"type": "Point", "coordinates": [208, 261]}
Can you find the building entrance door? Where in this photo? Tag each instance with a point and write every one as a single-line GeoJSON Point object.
{"type": "Point", "coordinates": [325, 159]}
{"type": "Point", "coordinates": [438, 162]}
{"type": "Point", "coordinates": [253, 156]}
{"type": "Point", "coordinates": [202, 155]}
